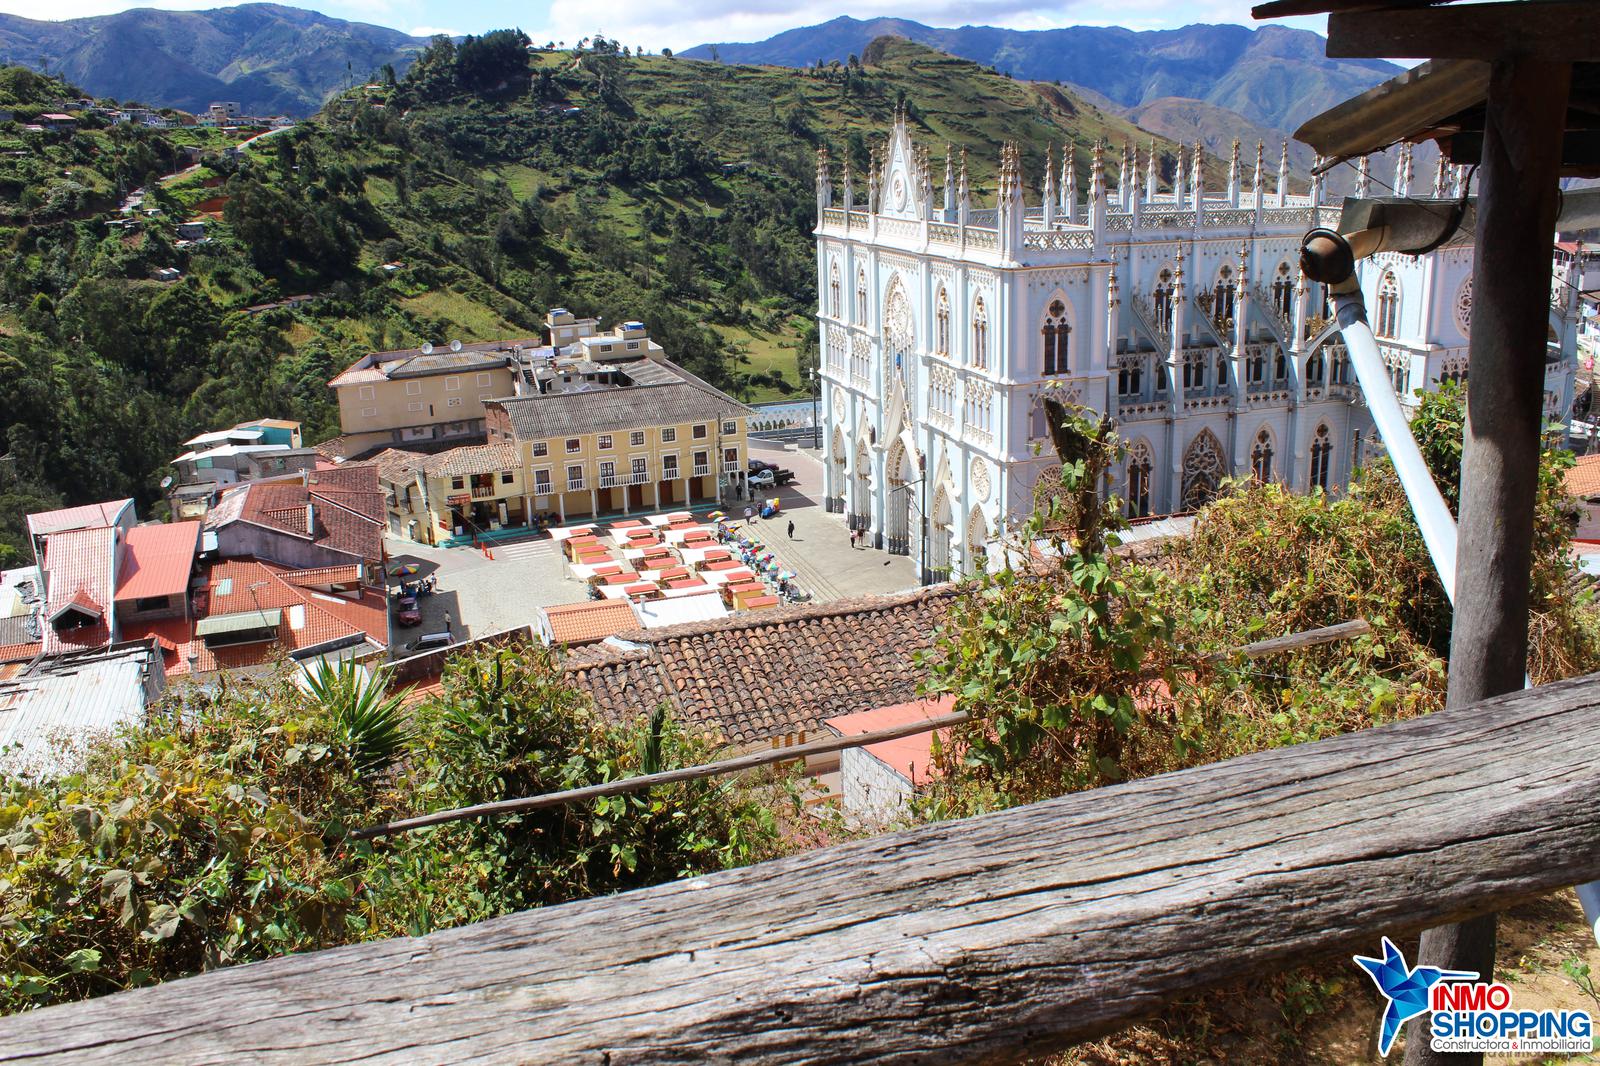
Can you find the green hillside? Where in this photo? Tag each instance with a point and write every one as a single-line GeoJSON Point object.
{"type": "Point", "coordinates": [501, 183]}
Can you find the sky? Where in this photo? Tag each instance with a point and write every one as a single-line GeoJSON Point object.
{"type": "Point", "coordinates": [657, 24]}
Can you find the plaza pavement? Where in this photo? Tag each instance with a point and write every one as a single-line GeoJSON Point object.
{"type": "Point", "coordinates": [483, 595]}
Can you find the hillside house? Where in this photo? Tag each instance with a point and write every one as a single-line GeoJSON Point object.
{"type": "Point", "coordinates": [318, 518]}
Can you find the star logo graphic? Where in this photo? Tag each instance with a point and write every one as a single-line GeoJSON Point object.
{"type": "Point", "coordinates": [1406, 989]}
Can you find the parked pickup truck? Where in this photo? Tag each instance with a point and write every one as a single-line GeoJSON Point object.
{"type": "Point", "coordinates": [765, 475]}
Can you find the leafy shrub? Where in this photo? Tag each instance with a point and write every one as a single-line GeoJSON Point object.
{"type": "Point", "coordinates": [219, 832]}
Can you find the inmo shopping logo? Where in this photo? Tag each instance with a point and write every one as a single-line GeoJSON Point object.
{"type": "Point", "coordinates": [1468, 1014]}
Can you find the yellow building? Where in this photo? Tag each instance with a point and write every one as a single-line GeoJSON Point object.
{"type": "Point", "coordinates": [420, 396]}
{"type": "Point", "coordinates": [620, 437]}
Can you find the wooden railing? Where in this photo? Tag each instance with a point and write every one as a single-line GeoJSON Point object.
{"type": "Point", "coordinates": [986, 940]}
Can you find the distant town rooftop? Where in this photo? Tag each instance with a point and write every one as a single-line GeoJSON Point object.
{"type": "Point", "coordinates": [588, 397]}
{"type": "Point", "coordinates": [415, 362]}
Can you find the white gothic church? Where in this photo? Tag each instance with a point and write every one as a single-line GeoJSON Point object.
{"type": "Point", "coordinates": [1181, 313]}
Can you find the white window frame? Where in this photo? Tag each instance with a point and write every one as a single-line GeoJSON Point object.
{"type": "Point", "coordinates": [636, 439]}
{"type": "Point", "coordinates": [454, 401]}
{"type": "Point", "coordinates": [452, 384]}
{"type": "Point", "coordinates": [669, 434]}
{"type": "Point", "coordinates": [367, 392]}
{"type": "Point", "coordinates": [369, 412]}
{"type": "Point", "coordinates": [603, 442]}
{"type": "Point", "coordinates": [485, 379]}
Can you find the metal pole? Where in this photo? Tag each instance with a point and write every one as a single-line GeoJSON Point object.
{"type": "Point", "coordinates": [1523, 130]}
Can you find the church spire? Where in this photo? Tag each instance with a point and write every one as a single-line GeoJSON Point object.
{"type": "Point", "coordinates": [1049, 191]}
{"type": "Point", "coordinates": [1283, 175]}
{"type": "Point", "coordinates": [1233, 176]}
{"type": "Point", "coordinates": [1439, 188]}
{"type": "Point", "coordinates": [1257, 184]}
{"type": "Point", "coordinates": [824, 180]}
{"type": "Point", "coordinates": [949, 181]}
{"type": "Point", "coordinates": [1180, 179]}
{"type": "Point", "coordinates": [1364, 177]}
{"type": "Point", "coordinates": [848, 184]}
{"type": "Point", "coordinates": [963, 191]}
{"type": "Point", "coordinates": [1069, 184]}
{"type": "Point", "coordinates": [873, 178]}
{"type": "Point", "coordinates": [1150, 173]}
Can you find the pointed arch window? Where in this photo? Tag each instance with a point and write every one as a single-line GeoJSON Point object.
{"type": "Point", "coordinates": [1388, 324]}
{"type": "Point", "coordinates": [1139, 467]}
{"type": "Point", "coordinates": [1161, 300]}
{"type": "Point", "coordinates": [1314, 367]}
{"type": "Point", "coordinates": [1056, 335]}
{"type": "Point", "coordinates": [861, 297]}
{"type": "Point", "coordinates": [1283, 292]}
{"type": "Point", "coordinates": [1321, 455]}
{"type": "Point", "coordinates": [980, 334]}
{"type": "Point", "coordinates": [1222, 296]}
{"type": "Point", "coordinates": [1261, 457]}
{"type": "Point", "coordinates": [1203, 471]}
{"type": "Point", "coordinates": [941, 324]}
{"type": "Point", "coordinates": [833, 288]}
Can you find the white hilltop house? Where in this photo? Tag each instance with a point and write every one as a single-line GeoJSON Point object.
{"type": "Point", "coordinates": [1180, 313]}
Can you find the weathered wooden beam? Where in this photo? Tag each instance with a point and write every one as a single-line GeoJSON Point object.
{"type": "Point", "coordinates": [1555, 30]}
{"type": "Point", "coordinates": [989, 939]}
{"type": "Point", "coordinates": [1517, 203]}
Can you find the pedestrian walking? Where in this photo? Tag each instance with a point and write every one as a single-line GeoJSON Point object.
{"type": "Point", "coordinates": [791, 529]}
{"type": "Point", "coordinates": [749, 513]}
{"type": "Point", "coordinates": [854, 535]}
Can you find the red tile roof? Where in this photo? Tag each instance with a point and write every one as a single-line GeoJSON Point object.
{"type": "Point", "coordinates": [1583, 477]}
{"type": "Point", "coordinates": [78, 570]}
{"type": "Point", "coordinates": [87, 516]}
{"type": "Point", "coordinates": [910, 757]}
{"type": "Point", "coordinates": [585, 623]}
{"type": "Point", "coordinates": [783, 670]}
{"type": "Point", "coordinates": [157, 560]}
{"type": "Point", "coordinates": [346, 508]}
{"type": "Point", "coordinates": [309, 618]}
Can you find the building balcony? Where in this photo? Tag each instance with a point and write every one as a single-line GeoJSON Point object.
{"type": "Point", "coordinates": [575, 484]}
{"type": "Point", "coordinates": [486, 492]}
{"type": "Point", "coordinates": [672, 473]}
{"type": "Point", "coordinates": [700, 470]}
{"type": "Point", "coordinates": [636, 477]}
{"type": "Point", "coordinates": [730, 467]}
{"type": "Point", "coordinates": [609, 481]}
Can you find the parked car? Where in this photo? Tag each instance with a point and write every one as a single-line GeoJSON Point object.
{"type": "Point", "coordinates": [409, 614]}
{"type": "Point", "coordinates": [764, 475]}
{"type": "Point", "coordinates": [430, 642]}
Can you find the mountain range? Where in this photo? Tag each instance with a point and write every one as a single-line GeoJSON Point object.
{"type": "Point", "coordinates": [1274, 76]}
{"type": "Point", "coordinates": [270, 59]}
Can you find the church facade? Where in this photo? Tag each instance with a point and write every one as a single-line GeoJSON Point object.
{"type": "Point", "coordinates": [1181, 313]}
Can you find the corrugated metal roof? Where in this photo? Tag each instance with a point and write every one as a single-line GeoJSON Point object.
{"type": "Point", "coordinates": [65, 702]}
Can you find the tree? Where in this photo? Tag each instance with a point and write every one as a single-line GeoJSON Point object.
{"type": "Point", "coordinates": [495, 64]}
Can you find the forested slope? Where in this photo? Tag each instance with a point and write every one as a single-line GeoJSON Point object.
{"type": "Point", "coordinates": [495, 183]}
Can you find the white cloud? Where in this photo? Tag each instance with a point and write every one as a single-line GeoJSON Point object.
{"type": "Point", "coordinates": [433, 31]}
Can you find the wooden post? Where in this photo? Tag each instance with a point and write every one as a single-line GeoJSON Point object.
{"type": "Point", "coordinates": [1500, 463]}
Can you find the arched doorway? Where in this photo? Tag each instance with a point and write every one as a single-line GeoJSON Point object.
{"type": "Point", "coordinates": [838, 475]}
{"type": "Point", "coordinates": [861, 488]}
{"type": "Point", "coordinates": [977, 542]}
{"type": "Point", "coordinates": [941, 534]}
{"type": "Point", "coordinates": [900, 473]}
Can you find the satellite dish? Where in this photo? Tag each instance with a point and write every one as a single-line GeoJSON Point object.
{"type": "Point", "coordinates": [427, 348]}
{"type": "Point", "coordinates": [455, 346]}
{"type": "Point", "coordinates": [166, 482]}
